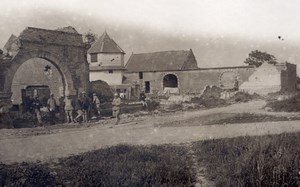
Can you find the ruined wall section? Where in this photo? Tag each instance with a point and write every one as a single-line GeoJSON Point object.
{"type": "Point", "coordinates": [189, 81]}
{"type": "Point", "coordinates": [270, 78]}
{"type": "Point", "coordinates": [288, 77]}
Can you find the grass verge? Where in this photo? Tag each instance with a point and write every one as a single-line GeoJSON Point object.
{"type": "Point", "coordinates": [287, 105]}
{"type": "Point", "coordinates": [121, 165]}
{"type": "Point", "coordinates": [226, 118]}
{"type": "Point", "coordinates": [251, 161]}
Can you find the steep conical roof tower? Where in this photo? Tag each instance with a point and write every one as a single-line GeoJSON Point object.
{"type": "Point", "coordinates": [105, 45]}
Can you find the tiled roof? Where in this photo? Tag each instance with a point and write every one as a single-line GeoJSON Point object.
{"type": "Point", "coordinates": [60, 37]}
{"type": "Point", "coordinates": [105, 45]}
{"type": "Point", "coordinates": [68, 29]}
{"type": "Point", "coordinates": [162, 61]}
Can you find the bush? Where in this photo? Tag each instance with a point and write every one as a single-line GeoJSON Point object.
{"type": "Point", "coordinates": [244, 97]}
{"type": "Point", "coordinates": [102, 89]}
{"type": "Point", "coordinates": [129, 166]}
{"type": "Point", "coordinates": [26, 174]}
{"type": "Point", "coordinates": [209, 102]}
{"type": "Point", "coordinates": [120, 165]}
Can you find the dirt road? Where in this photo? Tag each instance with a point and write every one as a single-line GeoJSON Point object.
{"type": "Point", "coordinates": [77, 140]}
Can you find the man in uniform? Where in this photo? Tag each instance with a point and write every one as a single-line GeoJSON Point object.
{"type": "Point", "coordinates": [116, 107]}
{"type": "Point", "coordinates": [85, 100]}
{"type": "Point", "coordinates": [36, 106]}
{"type": "Point", "coordinates": [51, 104]}
{"type": "Point", "coordinates": [96, 104]}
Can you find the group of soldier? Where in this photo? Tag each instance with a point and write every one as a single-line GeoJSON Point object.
{"type": "Point", "coordinates": [83, 106]}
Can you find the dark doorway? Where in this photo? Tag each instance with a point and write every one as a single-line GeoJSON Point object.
{"type": "Point", "coordinates": [170, 81]}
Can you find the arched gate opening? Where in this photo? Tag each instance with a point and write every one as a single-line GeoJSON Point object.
{"type": "Point", "coordinates": [170, 83]}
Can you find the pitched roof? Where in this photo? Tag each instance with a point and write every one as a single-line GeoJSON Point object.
{"type": "Point", "coordinates": [162, 61]}
{"type": "Point", "coordinates": [61, 37]}
{"type": "Point", "coordinates": [105, 45]}
{"type": "Point", "coordinates": [68, 29]}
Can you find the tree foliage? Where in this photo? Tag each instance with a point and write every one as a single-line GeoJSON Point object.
{"type": "Point", "coordinates": [89, 38]}
{"type": "Point", "coordinates": [257, 58]}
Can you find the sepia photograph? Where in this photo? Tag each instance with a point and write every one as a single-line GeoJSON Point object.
{"type": "Point", "coordinates": [191, 93]}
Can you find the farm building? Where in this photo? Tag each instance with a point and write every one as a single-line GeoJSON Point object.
{"type": "Point", "coordinates": [173, 72]}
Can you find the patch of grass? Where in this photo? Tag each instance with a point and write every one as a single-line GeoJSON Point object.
{"type": "Point", "coordinates": [288, 105]}
{"type": "Point", "coordinates": [26, 174]}
{"type": "Point", "coordinates": [249, 118]}
{"type": "Point", "coordinates": [209, 102]}
{"type": "Point", "coordinates": [121, 165]}
{"type": "Point", "coordinates": [197, 121]}
{"type": "Point", "coordinates": [251, 161]}
{"type": "Point", "coordinates": [226, 118]}
{"type": "Point", "coordinates": [244, 97]}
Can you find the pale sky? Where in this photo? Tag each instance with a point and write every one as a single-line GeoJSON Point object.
{"type": "Point", "coordinates": [220, 32]}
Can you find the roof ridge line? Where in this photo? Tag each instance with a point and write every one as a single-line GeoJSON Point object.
{"type": "Point", "coordinates": [161, 52]}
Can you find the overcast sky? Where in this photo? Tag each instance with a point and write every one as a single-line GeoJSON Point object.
{"type": "Point", "coordinates": [220, 32]}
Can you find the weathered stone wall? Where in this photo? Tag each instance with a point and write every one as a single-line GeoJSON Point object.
{"type": "Point", "coordinates": [114, 78]}
{"type": "Point", "coordinates": [289, 78]}
{"type": "Point", "coordinates": [108, 59]}
{"type": "Point", "coordinates": [189, 81]}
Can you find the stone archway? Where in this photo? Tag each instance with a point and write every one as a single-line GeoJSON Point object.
{"type": "Point", "coordinates": [19, 60]}
{"type": "Point", "coordinates": [44, 76]}
{"type": "Point", "coordinates": [65, 50]}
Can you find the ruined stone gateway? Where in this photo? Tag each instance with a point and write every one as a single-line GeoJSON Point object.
{"type": "Point", "coordinates": [62, 50]}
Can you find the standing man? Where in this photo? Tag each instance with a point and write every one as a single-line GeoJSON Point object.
{"type": "Point", "coordinates": [51, 104]}
{"type": "Point", "coordinates": [68, 108]}
{"type": "Point", "coordinates": [85, 100]}
{"type": "Point", "coordinates": [116, 107]}
{"type": "Point", "coordinates": [36, 106]}
{"type": "Point", "coordinates": [78, 108]}
{"type": "Point", "coordinates": [96, 103]}
{"type": "Point", "coordinates": [143, 99]}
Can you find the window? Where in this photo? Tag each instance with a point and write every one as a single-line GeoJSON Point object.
{"type": "Point", "coordinates": [94, 57]}
{"type": "Point", "coordinates": [147, 86]}
{"type": "Point", "coordinates": [141, 76]}
{"type": "Point", "coordinates": [110, 71]}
